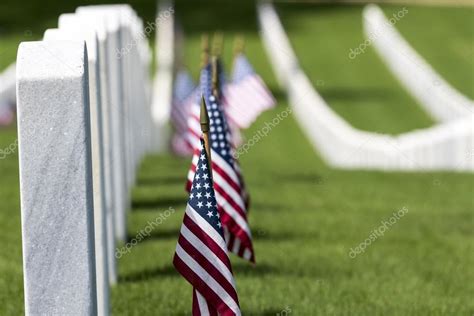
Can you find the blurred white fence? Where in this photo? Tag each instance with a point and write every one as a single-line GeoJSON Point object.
{"type": "Point", "coordinates": [7, 85]}
{"type": "Point", "coordinates": [438, 97]}
{"type": "Point", "coordinates": [443, 147]}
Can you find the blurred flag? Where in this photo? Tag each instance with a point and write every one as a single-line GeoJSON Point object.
{"type": "Point", "coordinates": [227, 180]}
{"type": "Point", "coordinates": [235, 137]}
{"type": "Point", "coordinates": [201, 253]}
{"type": "Point", "coordinates": [194, 129]}
{"type": "Point", "coordinates": [247, 95]}
{"type": "Point", "coordinates": [6, 113]}
{"type": "Point", "coordinates": [184, 94]}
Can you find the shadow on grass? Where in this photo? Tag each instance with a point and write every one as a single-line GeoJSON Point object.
{"type": "Point", "coordinates": [265, 235]}
{"type": "Point", "coordinates": [301, 178]}
{"type": "Point", "coordinates": [158, 203]}
{"type": "Point", "coordinates": [148, 274]}
{"type": "Point", "coordinates": [161, 180]}
{"type": "Point", "coordinates": [159, 234]}
{"type": "Point", "coordinates": [262, 207]}
{"type": "Point", "coordinates": [260, 269]}
{"type": "Point", "coordinates": [266, 312]}
{"type": "Point", "coordinates": [356, 94]}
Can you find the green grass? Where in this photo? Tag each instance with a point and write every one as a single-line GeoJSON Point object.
{"type": "Point", "coordinates": [305, 216]}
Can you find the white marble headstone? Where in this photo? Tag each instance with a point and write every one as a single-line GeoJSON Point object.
{"type": "Point", "coordinates": [56, 178]}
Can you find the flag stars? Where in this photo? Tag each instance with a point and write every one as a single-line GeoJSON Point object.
{"type": "Point", "coordinates": [198, 185]}
{"type": "Point", "coordinates": [206, 185]}
{"type": "Point", "coordinates": [205, 176]}
{"type": "Point", "coordinates": [209, 214]}
{"type": "Point", "coordinates": [202, 157]}
{"type": "Point", "coordinates": [209, 204]}
{"type": "Point", "coordinates": [207, 195]}
{"type": "Point", "coordinates": [199, 195]}
{"type": "Point", "coordinates": [199, 204]}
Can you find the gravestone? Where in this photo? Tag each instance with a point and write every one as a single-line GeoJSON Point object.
{"type": "Point", "coordinates": [56, 178]}
{"type": "Point", "coordinates": [100, 224]}
{"type": "Point", "coordinates": [117, 110]}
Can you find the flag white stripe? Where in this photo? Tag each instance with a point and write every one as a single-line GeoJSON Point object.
{"type": "Point", "coordinates": [208, 254]}
{"type": "Point", "coordinates": [202, 303]}
{"type": "Point", "coordinates": [205, 226]}
{"type": "Point", "coordinates": [247, 254]}
{"type": "Point", "coordinates": [233, 213]}
{"type": "Point", "coordinates": [234, 195]}
{"type": "Point", "coordinates": [208, 279]}
{"type": "Point", "coordinates": [216, 158]}
{"type": "Point", "coordinates": [236, 246]}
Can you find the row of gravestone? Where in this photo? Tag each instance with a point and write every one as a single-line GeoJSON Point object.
{"type": "Point", "coordinates": [84, 123]}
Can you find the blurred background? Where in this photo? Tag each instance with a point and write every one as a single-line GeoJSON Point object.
{"type": "Point", "coordinates": [305, 216]}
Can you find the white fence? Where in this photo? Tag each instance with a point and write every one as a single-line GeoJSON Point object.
{"type": "Point", "coordinates": [443, 147]}
{"type": "Point", "coordinates": [438, 97]}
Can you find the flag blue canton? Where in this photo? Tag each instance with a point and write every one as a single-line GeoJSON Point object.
{"type": "Point", "coordinates": [202, 198]}
{"type": "Point", "coordinates": [218, 126]}
{"type": "Point", "coordinates": [242, 68]}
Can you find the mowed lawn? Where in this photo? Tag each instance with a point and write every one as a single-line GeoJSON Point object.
{"type": "Point", "coordinates": [305, 216]}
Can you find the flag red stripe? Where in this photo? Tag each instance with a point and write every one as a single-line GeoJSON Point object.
{"type": "Point", "coordinates": [201, 286]}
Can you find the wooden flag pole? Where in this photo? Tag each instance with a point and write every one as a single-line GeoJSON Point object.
{"type": "Point", "coordinates": [217, 44]}
{"type": "Point", "coordinates": [204, 120]}
{"type": "Point", "coordinates": [239, 46]}
{"type": "Point", "coordinates": [215, 77]}
{"type": "Point", "coordinates": [204, 50]}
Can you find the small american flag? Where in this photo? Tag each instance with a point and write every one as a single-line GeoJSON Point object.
{"type": "Point", "coordinates": [230, 193]}
{"type": "Point", "coordinates": [184, 94]}
{"type": "Point", "coordinates": [247, 95]}
{"type": "Point", "coordinates": [194, 129]}
{"type": "Point", "coordinates": [201, 253]}
{"type": "Point", "coordinates": [183, 88]}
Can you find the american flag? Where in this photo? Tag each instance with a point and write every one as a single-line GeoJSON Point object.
{"type": "Point", "coordinates": [194, 129]}
{"type": "Point", "coordinates": [184, 94]}
{"type": "Point", "coordinates": [201, 253]}
{"type": "Point", "coordinates": [227, 178]}
{"type": "Point", "coordinates": [247, 95]}
{"type": "Point", "coordinates": [233, 135]}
